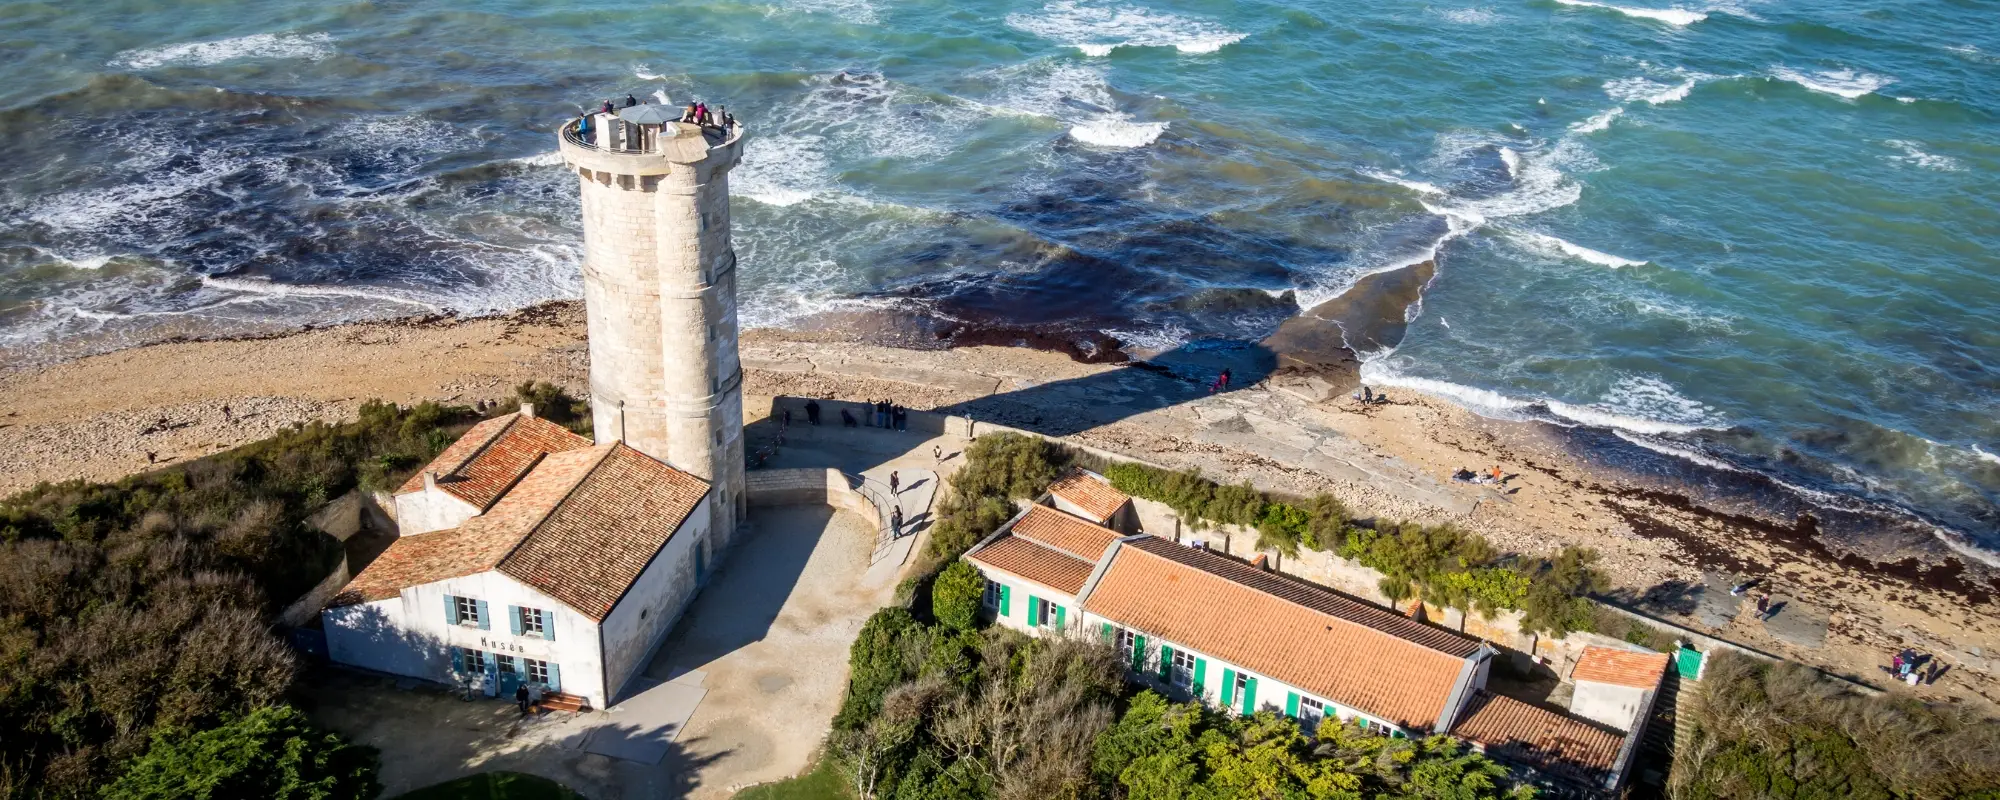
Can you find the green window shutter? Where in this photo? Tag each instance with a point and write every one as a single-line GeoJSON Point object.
{"type": "Point", "coordinates": [1396, 735]}
{"type": "Point", "coordinates": [1250, 696]}
{"type": "Point", "coordinates": [1200, 676]}
{"type": "Point", "coordinates": [1006, 600]}
{"type": "Point", "coordinates": [450, 610]}
{"type": "Point", "coordinates": [548, 625]}
{"type": "Point", "coordinates": [555, 677]}
{"type": "Point", "coordinates": [1292, 705]}
{"type": "Point", "coordinates": [1109, 635]}
{"type": "Point", "coordinates": [514, 619]}
{"type": "Point", "coordinates": [1166, 662]}
{"type": "Point", "coordinates": [1060, 614]}
{"type": "Point", "coordinates": [1228, 687]}
{"type": "Point", "coordinates": [485, 619]}
{"type": "Point", "coordinates": [1034, 611]}
{"type": "Point", "coordinates": [1138, 653]}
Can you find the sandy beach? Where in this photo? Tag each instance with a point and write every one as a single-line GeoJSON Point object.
{"type": "Point", "coordinates": [106, 416]}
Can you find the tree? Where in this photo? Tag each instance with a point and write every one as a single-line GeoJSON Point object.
{"type": "Point", "coordinates": [956, 594]}
{"type": "Point", "coordinates": [272, 752]}
{"type": "Point", "coordinates": [876, 663]}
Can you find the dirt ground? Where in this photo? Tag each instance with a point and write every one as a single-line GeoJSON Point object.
{"type": "Point", "coordinates": [770, 632]}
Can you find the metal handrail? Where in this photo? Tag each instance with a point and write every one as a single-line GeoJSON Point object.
{"type": "Point", "coordinates": [572, 135]}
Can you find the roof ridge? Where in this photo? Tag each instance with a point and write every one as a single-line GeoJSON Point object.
{"type": "Point", "coordinates": [1016, 532]}
{"type": "Point", "coordinates": [1309, 585]}
{"type": "Point", "coordinates": [486, 445]}
{"type": "Point", "coordinates": [501, 562]}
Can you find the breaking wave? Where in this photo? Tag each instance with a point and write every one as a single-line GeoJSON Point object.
{"type": "Point", "coordinates": [1914, 155]}
{"type": "Point", "coordinates": [311, 47]}
{"type": "Point", "coordinates": [1672, 16]}
{"type": "Point", "coordinates": [1551, 244]}
{"type": "Point", "coordinates": [1843, 83]}
{"type": "Point", "coordinates": [1096, 29]}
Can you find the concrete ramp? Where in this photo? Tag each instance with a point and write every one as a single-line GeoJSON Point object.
{"type": "Point", "coordinates": [642, 727]}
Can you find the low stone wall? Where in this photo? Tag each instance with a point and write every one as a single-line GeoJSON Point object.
{"type": "Point", "coordinates": [793, 487]}
{"type": "Point", "coordinates": [930, 423]}
{"type": "Point", "coordinates": [306, 609]}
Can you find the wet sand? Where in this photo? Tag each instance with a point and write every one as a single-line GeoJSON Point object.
{"type": "Point", "coordinates": [1281, 425]}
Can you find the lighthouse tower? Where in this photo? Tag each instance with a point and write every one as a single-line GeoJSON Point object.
{"type": "Point", "coordinates": [659, 291]}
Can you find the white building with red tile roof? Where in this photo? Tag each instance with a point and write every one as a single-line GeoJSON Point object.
{"type": "Point", "coordinates": [573, 565]}
{"type": "Point", "coordinates": [1200, 625]}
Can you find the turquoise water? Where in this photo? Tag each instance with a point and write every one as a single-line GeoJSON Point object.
{"type": "Point", "coordinates": [1756, 236]}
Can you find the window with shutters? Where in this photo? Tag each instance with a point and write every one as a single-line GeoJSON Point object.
{"type": "Point", "coordinates": [470, 661]}
{"type": "Point", "coordinates": [1242, 686]}
{"type": "Point", "coordinates": [467, 611]}
{"type": "Point", "coordinates": [991, 597]}
{"type": "Point", "coordinates": [531, 622]}
{"type": "Point", "coordinates": [1182, 672]}
{"type": "Point", "coordinates": [1126, 641]}
{"type": "Point", "coordinates": [1310, 713]}
{"type": "Point", "coordinates": [1048, 614]}
{"type": "Point", "coordinates": [537, 671]}
{"type": "Point", "coordinates": [507, 666]}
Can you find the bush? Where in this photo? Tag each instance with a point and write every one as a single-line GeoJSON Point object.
{"type": "Point", "coordinates": [956, 595]}
{"type": "Point", "coordinates": [1762, 730]}
{"type": "Point", "coordinates": [1558, 591]}
{"type": "Point", "coordinates": [272, 752]}
{"type": "Point", "coordinates": [999, 469]}
{"type": "Point", "coordinates": [553, 404]}
{"type": "Point", "coordinates": [144, 605]}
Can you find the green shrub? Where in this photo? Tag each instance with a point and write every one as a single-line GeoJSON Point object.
{"type": "Point", "coordinates": [876, 663]}
{"type": "Point", "coordinates": [272, 752]}
{"type": "Point", "coordinates": [1558, 591]}
{"type": "Point", "coordinates": [553, 404]}
{"type": "Point", "coordinates": [956, 594]}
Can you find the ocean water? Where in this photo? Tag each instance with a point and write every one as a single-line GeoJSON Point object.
{"type": "Point", "coordinates": [1757, 237]}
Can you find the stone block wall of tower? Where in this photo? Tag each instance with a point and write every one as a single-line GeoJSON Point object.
{"type": "Point", "coordinates": [660, 304]}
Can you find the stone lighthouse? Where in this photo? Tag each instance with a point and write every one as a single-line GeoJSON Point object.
{"type": "Point", "coordinates": [659, 290]}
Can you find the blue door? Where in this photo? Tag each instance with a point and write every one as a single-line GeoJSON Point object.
{"type": "Point", "coordinates": [510, 677]}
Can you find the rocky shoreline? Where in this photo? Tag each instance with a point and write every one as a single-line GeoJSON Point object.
{"type": "Point", "coordinates": [1286, 424]}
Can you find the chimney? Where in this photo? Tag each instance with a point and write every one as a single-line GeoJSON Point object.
{"type": "Point", "coordinates": [1417, 611]}
{"type": "Point", "coordinates": [527, 409]}
{"type": "Point", "coordinates": [1259, 562]}
{"type": "Point", "coordinates": [430, 480]}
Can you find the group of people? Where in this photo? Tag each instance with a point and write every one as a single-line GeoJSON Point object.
{"type": "Point", "coordinates": [1370, 397]}
{"type": "Point", "coordinates": [1766, 607]}
{"type": "Point", "coordinates": [1492, 475]}
{"type": "Point", "coordinates": [696, 113]}
{"type": "Point", "coordinates": [1915, 668]}
{"type": "Point", "coordinates": [880, 414]}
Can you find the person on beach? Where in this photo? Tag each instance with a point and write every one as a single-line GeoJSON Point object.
{"type": "Point", "coordinates": [1763, 605]}
{"type": "Point", "coordinates": [937, 453]}
{"type": "Point", "coordinates": [1221, 383]}
{"type": "Point", "coordinates": [893, 480]}
{"type": "Point", "coordinates": [1495, 472]}
{"type": "Point", "coordinates": [631, 101]}
{"type": "Point", "coordinates": [812, 412]}
{"type": "Point", "coordinates": [1896, 665]}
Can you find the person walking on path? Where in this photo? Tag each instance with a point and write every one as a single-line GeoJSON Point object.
{"type": "Point", "coordinates": [812, 412]}
{"type": "Point", "coordinates": [896, 523]}
{"type": "Point", "coordinates": [937, 453]}
{"type": "Point", "coordinates": [521, 698]}
{"type": "Point", "coordinates": [893, 482]}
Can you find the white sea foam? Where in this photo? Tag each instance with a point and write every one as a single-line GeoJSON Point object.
{"type": "Point", "coordinates": [1551, 244]}
{"type": "Point", "coordinates": [151, 194]}
{"type": "Point", "coordinates": [1598, 122]}
{"type": "Point", "coordinates": [1684, 453]}
{"type": "Point", "coordinates": [1632, 90]}
{"type": "Point", "coordinates": [1671, 16]}
{"type": "Point", "coordinates": [1097, 28]}
{"type": "Point", "coordinates": [1114, 132]}
{"type": "Point", "coordinates": [548, 159]}
{"type": "Point", "coordinates": [1845, 83]}
{"type": "Point", "coordinates": [1512, 159]}
{"type": "Point", "coordinates": [1985, 456]}
{"type": "Point", "coordinates": [782, 170]}
{"type": "Point", "coordinates": [1417, 186]}
{"type": "Point", "coordinates": [645, 73]}
{"type": "Point", "coordinates": [1470, 16]}
{"type": "Point", "coordinates": [859, 12]}
{"type": "Point", "coordinates": [1914, 155]}
{"type": "Point", "coordinates": [1641, 404]}
{"type": "Point", "coordinates": [311, 46]}
{"type": "Point", "coordinates": [273, 289]}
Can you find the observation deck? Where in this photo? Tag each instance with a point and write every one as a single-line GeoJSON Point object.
{"type": "Point", "coordinates": [622, 147]}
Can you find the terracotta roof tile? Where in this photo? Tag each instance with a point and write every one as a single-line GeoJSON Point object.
{"type": "Point", "coordinates": [1532, 736]}
{"type": "Point", "coordinates": [1055, 529]}
{"type": "Point", "coordinates": [1332, 646]}
{"type": "Point", "coordinates": [1056, 570]}
{"type": "Point", "coordinates": [588, 551]}
{"type": "Point", "coordinates": [580, 527]}
{"type": "Point", "coordinates": [1620, 667]}
{"type": "Point", "coordinates": [491, 456]}
{"type": "Point", "coordinates": [1090, 493]}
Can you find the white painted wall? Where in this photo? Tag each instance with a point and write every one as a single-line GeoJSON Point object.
{"type": "Point", "coordinates": [430, 509]}
{"type": "Point", "coordinates": [1020, 590]}
{"type": "Point", "coordinates": [644, 617]}
{"type": "Point", "coordinates": [410, 636]}
{"type": "Point", "coordinates": [1609, 703]}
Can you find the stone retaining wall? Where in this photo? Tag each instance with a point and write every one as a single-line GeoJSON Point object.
{"type": "Point", "coordinates": [791, 487]}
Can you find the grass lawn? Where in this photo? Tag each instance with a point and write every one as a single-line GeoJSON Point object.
{"type": "Point", "coordinates": [495, 786]}
{"type": "Point", "coordinates": [824, 782]}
